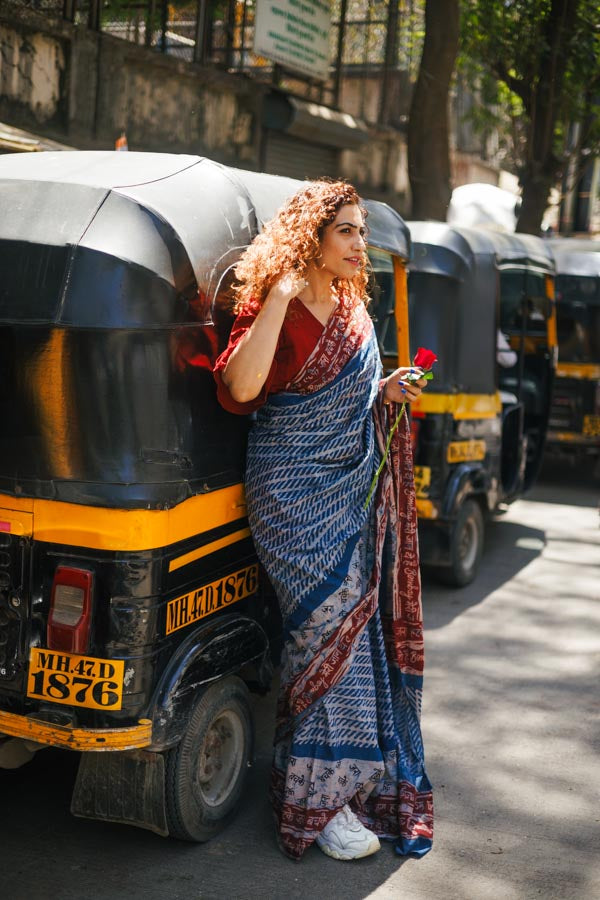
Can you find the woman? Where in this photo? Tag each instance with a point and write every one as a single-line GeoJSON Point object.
{"type": "Point", "coordinates": [348, 759]}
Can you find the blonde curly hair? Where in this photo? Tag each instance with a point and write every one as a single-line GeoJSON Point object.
{"type": "Point", "coordinates": [292, 239]}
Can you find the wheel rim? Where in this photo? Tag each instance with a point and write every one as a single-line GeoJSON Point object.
{"type": "Point", "coordinates": [468, 544]}
{"type": "Point", "coordinates": [220, 758]}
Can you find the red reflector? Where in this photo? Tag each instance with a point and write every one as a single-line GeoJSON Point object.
{"type": "Point", "coordinates": [5, 526]}
{"type": "Point", "coordinates": [70, 610]}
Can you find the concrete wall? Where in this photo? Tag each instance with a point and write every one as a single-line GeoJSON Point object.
{"type": "Point", "coordinates": [83, 88]}
{"type": "Point", "coordinates": [33, 68]}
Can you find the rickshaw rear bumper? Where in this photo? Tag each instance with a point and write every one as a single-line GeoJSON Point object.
{"type": "Point", "coordinates": [71, 738]}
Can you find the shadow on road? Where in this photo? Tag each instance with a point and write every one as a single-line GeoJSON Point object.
{"type": "Point", "coordinates": [510, 728]}
{"type": "Point", "coordinates": [510, 713]}
{"type": "Point", "coordinates": [509, 547]}
{"type": "Point", "coordinates": [565, 483]}
{"type": "Point", "coordinates": [87, 859]}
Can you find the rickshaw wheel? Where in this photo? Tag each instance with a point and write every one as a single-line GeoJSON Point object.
{"type": "Point", "coordinates": [205, 773]}
{"type": "Point", "coordinates": [466, 546]}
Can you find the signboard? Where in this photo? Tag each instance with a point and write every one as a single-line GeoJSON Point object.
{"type": "Point", "coordinates": [295, 34]}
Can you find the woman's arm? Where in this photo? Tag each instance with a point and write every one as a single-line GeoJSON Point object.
{"type": "Point", "coordinates": [248, 366]}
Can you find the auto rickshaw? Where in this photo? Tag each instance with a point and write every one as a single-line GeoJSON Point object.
{"type": "Point", "coordinates": [574, 430]}
{"type": "Point", "coordinates": [134, 618]}
{"type": "Point", "coordinates": [479, 429]}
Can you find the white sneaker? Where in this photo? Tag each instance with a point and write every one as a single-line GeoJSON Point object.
{"type": "Point", "coordinates": [345, 837]}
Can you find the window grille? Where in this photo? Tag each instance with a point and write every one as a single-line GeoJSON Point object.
{"type": "Point", "coordinates": [368, 40]}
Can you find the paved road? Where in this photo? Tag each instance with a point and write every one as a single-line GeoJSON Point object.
{"type": "Point", "coordinates": [511, 723]}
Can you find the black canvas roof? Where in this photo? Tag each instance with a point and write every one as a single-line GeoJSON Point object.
{"type": "Point", "coordinates": [576, 257]}
{"type": "Point", "coordinates": [453, 248]}
{"type": "Point", "coordinates": [145, 228]}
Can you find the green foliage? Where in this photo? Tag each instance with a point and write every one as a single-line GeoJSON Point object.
{"type": "Point", "coordinates": [411, 37]}
{"type": "Point", "coordinates": [512, 48]}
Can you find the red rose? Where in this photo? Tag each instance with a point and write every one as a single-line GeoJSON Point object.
{"type": "Point", "coordinates": [424, 359]}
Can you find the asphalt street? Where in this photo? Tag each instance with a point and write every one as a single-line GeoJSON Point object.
{"type": "Point", "coordinates": [512, 733]}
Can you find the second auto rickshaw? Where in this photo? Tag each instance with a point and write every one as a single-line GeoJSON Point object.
{"type": "Point", "coordinates": [133, 614]}
{"type": "Point", "coordinates": [479, 429]}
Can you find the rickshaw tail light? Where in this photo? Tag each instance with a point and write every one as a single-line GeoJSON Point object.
{"type": "Point", "coordinates": [70, 610]}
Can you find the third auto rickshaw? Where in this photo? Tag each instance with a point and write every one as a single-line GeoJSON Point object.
{"type": "Point", "coordinates": [575, 416]}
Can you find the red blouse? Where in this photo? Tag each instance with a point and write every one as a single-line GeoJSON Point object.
{"type": "Point", "coordinates": [297, 339]}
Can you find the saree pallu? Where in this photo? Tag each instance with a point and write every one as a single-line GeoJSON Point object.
{"type": "Point", "coordinates": [347, 581]}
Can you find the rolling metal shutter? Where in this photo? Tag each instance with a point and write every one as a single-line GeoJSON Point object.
{"type": "Point", "coordinates": [286, 155]}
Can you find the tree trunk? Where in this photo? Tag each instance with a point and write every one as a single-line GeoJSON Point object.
{"type": "Point", "coordinates": [534, 199]}
{"type": "Point", "coordinates": [544, 103]}
{"type": "Point", "coordinates": [428, 150]}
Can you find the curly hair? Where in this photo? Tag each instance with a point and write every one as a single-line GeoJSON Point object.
{"type": "Point", "coordinates": [292, 239]}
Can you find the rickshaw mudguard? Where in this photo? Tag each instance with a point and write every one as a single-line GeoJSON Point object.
{"type": "Point", "coordinates": [127, 787]}
{"type": "Point", "coordinates": [466, 479]}
{"type": "Point", "coordinates": [212, 652]}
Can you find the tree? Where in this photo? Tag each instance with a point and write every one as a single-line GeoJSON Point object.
{"type": "Point", "coordinates": [428, 151]}
{"type": "Point", "coordinates": [547, 54]}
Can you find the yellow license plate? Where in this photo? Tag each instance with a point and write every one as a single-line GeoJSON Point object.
{"type": "Point", "coordinates": [210, 598]}
{"type": "Point", "coordinates": [422, 481]}
{"type": "Point", "coordinates": [75, 680]}
{"type": "Point", "coordinates": [591, 426]}
{"type": "Point", "coordinates": [465, 451]}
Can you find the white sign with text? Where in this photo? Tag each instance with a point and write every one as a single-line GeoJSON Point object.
{"type": "Point", "coordinates": [295, 34]}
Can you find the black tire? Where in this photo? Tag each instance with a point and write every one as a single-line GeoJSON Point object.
{"type": "Point", "coordinates": [466, 546]}
{"type": "Point", "coordinates": [205, 772]}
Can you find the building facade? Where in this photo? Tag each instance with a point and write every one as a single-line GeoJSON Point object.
{"type": "Point", "coordinates": [193, 77]}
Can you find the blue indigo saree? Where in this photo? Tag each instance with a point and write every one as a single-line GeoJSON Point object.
{"type": "Point", "coordinates": [347, 580]}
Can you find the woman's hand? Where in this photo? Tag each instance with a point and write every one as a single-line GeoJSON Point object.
{"type": "Point", "coordinates": [287, 286]}
{"type": "Point", "coordinates": [398, 388]}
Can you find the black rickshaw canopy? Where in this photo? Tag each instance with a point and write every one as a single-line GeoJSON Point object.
{"type": "Point", "coordinates": [577, 257]}
{"type": "Point", "coordinates": [121, 239]}
{"type": "Point", "coordinates": [110, 266]}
